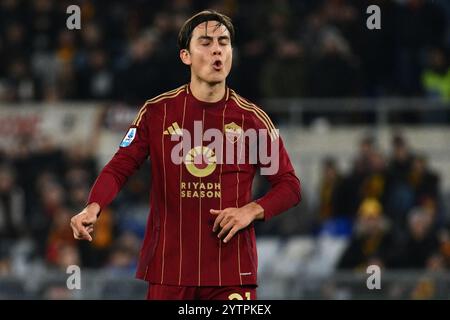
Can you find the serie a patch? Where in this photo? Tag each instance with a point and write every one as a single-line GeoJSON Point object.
{"type": "Point", "coordinates": [129, 137]}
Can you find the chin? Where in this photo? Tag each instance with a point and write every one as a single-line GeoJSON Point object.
{"type": "Point", "coordinates": [215, 80]}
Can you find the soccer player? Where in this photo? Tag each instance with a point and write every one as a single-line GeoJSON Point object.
{"type": "Point", "coordinates": [200, 239]}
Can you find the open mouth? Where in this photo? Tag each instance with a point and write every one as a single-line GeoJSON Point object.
{"type": "Point", "coordinates": [217, 65]}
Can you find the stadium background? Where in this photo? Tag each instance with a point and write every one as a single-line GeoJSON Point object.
{"type": "Point", "coordinates": [365, 115]}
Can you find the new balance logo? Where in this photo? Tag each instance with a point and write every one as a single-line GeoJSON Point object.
{"type": "Point", "coordinates": [174, 129]}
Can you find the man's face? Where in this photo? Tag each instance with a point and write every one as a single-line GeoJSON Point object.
{"type": "Point", "coordinates": [210, 54]}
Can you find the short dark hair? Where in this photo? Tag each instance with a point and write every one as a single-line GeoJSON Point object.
{"type": "Point", "coordinates": [185, 34]}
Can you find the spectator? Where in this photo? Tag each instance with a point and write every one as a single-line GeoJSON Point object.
{"type": "Point", "coordinates": [428, 29]}
{"type": "Point", "coordinates": [12, 205]}
{"type": "Point", "coordinates": [285, 75]}
{"type": "Point", "coordinates": [420, 243]}
{"type": "Point", "coordinates": [371, 240]}
{"type": "Point", "coordinates": [436, 75]}
{"type": "Point", "coordinates": [60, 240]}
{"type": "Point", "coordinates": [425, 183]}
{"type": "Point", "coordinates": [139, 70]}
{"type": "Point", "coordinates": [329, 187]}
{"type": "Point", "coordinates": [123, 258]}
{"type": "Point", "coordinates": [367, 147]}
{"type": "Point", "coordinates": [334, 72]}
{"type": "Point", "coordinates": [41, 60]}
{"type": "Point", "coordinates": [350, 193]}
{"type": "Point", "coordinates": [96, 79]}
{"type": "Point", "coordinates": [374, 183]}
{"type": "Point", "coordinates": [400, 194]}
{"type": "Point", "coordinates": [12, 213]}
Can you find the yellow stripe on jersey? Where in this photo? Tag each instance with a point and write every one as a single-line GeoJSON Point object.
{"type": "Point", "coordinates": [172, 95]}
{"type": "Point", "coordinates": [140, 117]}
{"type": "Point", "coordinates": [169, 94]}
{"type": "Point", "coordinates": [166, 93]}
{"type": "Point", "coordinates": [165, 196]}
{"type": "Point", "coordinates": [259, 110]}
{"type": "Point", "coordinates": [252, 107]}
{"type": "Point", "coordinates": [181, 202]}
{"type": "Point", "coordinates": [261, 115]}
{"type": "Point", "coordinates": [139, 114]}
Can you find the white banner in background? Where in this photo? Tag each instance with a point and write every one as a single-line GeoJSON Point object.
{"type": "Point", "coordinates": [63, 124]}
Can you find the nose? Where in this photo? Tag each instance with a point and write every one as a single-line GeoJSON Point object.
{"type": "Point", "coordinates": [217, 50]}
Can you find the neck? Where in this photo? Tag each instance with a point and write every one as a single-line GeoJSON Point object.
{"type": "Point", "coordinates": [207, 92]}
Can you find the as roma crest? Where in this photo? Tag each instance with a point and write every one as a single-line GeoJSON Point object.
{"type": "Point", "coordinates": [232, 132]}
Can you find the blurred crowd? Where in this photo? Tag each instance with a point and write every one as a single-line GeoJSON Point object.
{"type": "Point", "coordinates": [41, 187]}
{"type": "Point", "coordinates": [390, 206]}
{"type": "Point", "coordinates": [127, 50]}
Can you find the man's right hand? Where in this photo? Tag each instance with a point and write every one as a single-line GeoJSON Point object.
{"type": "Point", "coordinates": [83, 223]}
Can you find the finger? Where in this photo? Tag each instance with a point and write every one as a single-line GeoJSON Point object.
{"type": "Point", "coordinates": [90, 229]}
{"type": "Point", "coordinates": [225, 220]}
{"type": "Point", "coordinates": [78, 231]}
{"type": "Point", "coordinates": [80, 236]}
{"type": "Point", "coordinates": [86, 235]}
{"type": "Point", "coordinates": [225, 229]}
{"type": "Point", "coordinates": [231, 233]}
{"type": "Point", "coordinates": [214, 211]}
{"type": "Point", "coordinates": [83, 236]}
{"type": "Point", "coordinates": [218, 221]}
{"type": "Point", "coordinates": [83, 233]}
{"type": "Point", "coordinates": [76, 235]}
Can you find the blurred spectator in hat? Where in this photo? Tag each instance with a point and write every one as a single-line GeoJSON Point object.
{"type": "Point", "coordinates": [371, 239]}
{"type": "Point", "coordinates": [352, 190]}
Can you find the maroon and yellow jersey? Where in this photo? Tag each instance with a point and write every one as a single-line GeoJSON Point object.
{"type": "Point", "coordinates": [180, 247]}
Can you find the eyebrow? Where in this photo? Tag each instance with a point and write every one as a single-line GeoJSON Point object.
{"type": "Point", "coordinates": [210, 38]}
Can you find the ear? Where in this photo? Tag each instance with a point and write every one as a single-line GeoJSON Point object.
{"type": "Point", "coordinates": [185, 57]}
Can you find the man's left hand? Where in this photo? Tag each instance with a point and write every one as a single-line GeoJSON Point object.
{"type": "Point", "coordinates": [231, 220]}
